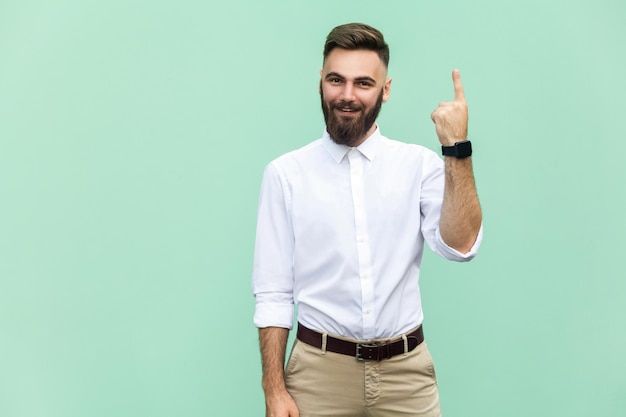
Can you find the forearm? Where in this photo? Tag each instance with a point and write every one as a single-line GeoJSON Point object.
{"type": "Point", "coordinates": [461, 216]}
{"type": "Point", "coordinates": [273, 341]}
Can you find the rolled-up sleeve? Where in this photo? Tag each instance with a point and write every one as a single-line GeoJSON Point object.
{"type": "Point", "coordinates": [272, 276]}
{"type": "Point", "coordinates": [442, 248]}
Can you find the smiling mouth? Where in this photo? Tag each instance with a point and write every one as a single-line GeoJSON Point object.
{"type": "Point", "coordinates": [346, 110]}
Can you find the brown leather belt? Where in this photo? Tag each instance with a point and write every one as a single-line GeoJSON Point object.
{"type": "Point", "coordinates": [366, 351]}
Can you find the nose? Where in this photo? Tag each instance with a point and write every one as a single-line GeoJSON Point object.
{"type": "Point", "coordinates": [347, 94]}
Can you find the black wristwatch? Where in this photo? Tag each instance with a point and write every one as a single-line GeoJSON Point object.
{"type": "Point", "coordinates": [459, 150]}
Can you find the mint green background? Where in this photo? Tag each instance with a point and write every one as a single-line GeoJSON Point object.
{"type": "Point", "coordinates": [133, 135]}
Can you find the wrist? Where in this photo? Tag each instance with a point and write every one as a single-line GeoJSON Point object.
{"type": "Point", "coordinates": [273, 388]}
{"type": "Point", "coordinates": [450, 141]}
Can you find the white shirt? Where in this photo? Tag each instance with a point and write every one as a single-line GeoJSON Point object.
{"type": "Point", "coordinates": [341, 233]}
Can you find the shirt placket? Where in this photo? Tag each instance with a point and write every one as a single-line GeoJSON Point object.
{"type": "Point", "coordinates": [362, 243]}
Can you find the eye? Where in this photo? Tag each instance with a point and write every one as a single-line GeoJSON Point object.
{"type": "Point", "coordinates": [335, 80]}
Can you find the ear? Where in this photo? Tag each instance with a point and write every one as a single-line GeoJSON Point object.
{"type": "Point", "coordinates": [386, 90]}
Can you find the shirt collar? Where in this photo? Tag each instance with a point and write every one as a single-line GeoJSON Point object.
{"type": "Point", "coordinates": [368, 148]}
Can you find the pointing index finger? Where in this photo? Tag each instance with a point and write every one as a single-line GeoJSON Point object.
{"type": "Point", "coordinates": [458, 86]}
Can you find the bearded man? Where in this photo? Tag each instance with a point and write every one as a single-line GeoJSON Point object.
{"type": "Point", "coordinates": [341, 229]}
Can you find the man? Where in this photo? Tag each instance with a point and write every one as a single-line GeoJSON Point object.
{"type": "Point", "coordinates": [341, 229]}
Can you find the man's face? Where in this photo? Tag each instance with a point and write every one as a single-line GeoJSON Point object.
{"type": "Point", "coordinates": [353, 87]}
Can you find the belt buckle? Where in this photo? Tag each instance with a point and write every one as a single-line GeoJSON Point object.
{"type": "Point", "coordinates": [374, 347]}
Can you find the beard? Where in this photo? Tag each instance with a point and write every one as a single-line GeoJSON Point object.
{"type": "Point", "coordinates": [349, 130]}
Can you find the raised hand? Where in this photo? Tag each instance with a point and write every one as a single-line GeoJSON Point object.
{"type": "Point", "coordinates": [450, 117]}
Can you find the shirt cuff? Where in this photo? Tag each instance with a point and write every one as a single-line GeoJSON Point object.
{"type": "Point", "coordinates": [453, 254]}
{"type": "Point", "coordinates": [273, 315]}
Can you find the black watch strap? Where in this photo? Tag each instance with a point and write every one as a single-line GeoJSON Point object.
{"type": "Point", "coordinates": [461, 149]}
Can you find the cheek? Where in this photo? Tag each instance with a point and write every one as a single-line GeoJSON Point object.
{"type": "Point", "coordinates": [367, 102]}
{"type": "Point", "coordinates": [329, 95]}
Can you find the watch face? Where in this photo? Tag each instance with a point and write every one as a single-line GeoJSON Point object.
{"type": "Point", "coordinates": [463, 149]}
{"type": "Point", "coordinates": [459, 150]}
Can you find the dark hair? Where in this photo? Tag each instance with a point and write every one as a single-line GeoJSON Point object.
{"type": "Point", "coordinates": [353, 36]}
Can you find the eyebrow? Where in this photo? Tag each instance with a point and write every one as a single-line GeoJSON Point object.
{"type": "Point", "coordinates": [337, 75]}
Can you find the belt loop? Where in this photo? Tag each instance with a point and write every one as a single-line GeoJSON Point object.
{"type": "Point", "coordinates": [324, 339]}
{"type": "Point", "coordinates": [406, 344]}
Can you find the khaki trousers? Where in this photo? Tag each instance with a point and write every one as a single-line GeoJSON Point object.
{"type": "Point", "coordinates": [331, 384]}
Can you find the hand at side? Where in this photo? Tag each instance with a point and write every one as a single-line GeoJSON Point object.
{"type": "Point", "coordinates": [278, 402]}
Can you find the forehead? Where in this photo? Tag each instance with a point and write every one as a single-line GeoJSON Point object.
{"type": "Point", "coordinates": [354, 63]}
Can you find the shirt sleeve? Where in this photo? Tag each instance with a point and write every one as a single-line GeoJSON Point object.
{"type": "Point", "coordinates": [430, 203]}
{"type": "Point", "coordinates": [272, 276]}
{"type": "Point", "coordinates": [454, 255]}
